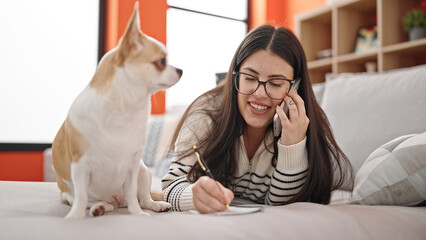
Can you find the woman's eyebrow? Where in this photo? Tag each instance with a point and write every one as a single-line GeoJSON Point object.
{"type": "Point", "coordinates": [251, 70]}
{"type": "Point", "coordinates": [278, 76]}
{"type": "Point", "coordinates": [270, 76]}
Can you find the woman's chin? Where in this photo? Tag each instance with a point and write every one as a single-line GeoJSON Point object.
{"type": "Point", "coordinates": [255, 123]}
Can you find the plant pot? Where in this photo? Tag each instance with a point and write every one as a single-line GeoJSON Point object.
{"type": "Point", "coordinates": [417, 33]}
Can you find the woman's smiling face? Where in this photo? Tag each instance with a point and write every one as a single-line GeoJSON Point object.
{"type": "Point", "coordinates": [258, 109]}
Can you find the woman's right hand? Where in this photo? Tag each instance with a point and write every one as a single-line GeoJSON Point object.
{"type": "Point", "coordinates": [210, 196]}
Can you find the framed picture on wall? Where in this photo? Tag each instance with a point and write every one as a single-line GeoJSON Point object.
{"type": "Point", "coordinates": [366, 39]}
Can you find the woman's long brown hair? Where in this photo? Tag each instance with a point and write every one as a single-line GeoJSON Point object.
{"type": "Point", "coordinates": [328, 168]}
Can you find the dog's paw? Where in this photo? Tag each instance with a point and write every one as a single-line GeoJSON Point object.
{"type": "Point", "coordinates": [100, 208]}
{"type": "Point", "coordinates": [156, 206]}
{"type": "Point", "coordinates": [163, 206]}
{"type": "Point", "coordinates": [96, 211]}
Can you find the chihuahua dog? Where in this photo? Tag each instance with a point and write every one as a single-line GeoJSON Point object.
{"type": "Point", "coordinates": [97, 151]}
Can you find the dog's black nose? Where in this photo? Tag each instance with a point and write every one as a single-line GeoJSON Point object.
{"type": "Point", "coordinates": [179, 71]}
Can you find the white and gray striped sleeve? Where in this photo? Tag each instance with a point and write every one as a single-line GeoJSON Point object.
{"type": "Point", "coordinates": [290, 173]}
{"type": "Point", "coordinates": [176, 187]}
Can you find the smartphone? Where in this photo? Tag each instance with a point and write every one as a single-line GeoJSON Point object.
{"type": "Point", "coordinates": [277, 120]}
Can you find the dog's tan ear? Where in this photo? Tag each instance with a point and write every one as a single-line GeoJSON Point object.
{"type": "Point", "coordinates": [133, 36]}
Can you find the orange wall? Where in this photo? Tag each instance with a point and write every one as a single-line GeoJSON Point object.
{"type": "Point", "coordinates": [280, 12]}
{"type": "Point", "coordinates": [295, 7]}
{"type": "Point", "coordinates": [21, 166]}
{"type": "Point", "coordinates": [152, 14]}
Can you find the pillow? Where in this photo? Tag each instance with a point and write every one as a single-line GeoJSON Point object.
{"type": "Point", "coordinates": [394, 174]}
{"type": "Point", "coordinates": [159, 134]}
{"type": "Point", "coordinates": [152, 140]}
{"type": "Point", "coordinates": [318, 89]}
{"type": "Point", "coordinates": [366, 110]}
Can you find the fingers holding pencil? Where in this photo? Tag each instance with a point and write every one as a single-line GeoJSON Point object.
{"type": "Point", "coordinates": [210, 196]}
{"type": "Point", "coordinates": [221, 193]}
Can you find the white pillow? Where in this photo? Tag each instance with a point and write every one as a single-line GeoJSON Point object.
{"type": "Point", "coordinates": [366, 110]}
{"type": "Point", "coordinates": [318, 89]}
{"type": "Point", "coordinates": [394, 174]}
{"type": "Point", "coordinates": [159, 134]}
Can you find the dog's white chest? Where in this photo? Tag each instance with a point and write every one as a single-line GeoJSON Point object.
{"type": "Point", "coordinates": [108, 173]}
{"type": "Point", "coordinates": [115, 138]}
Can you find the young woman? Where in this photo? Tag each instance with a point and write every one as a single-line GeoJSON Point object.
{"type": "Point", "coordinates": [232, 125]}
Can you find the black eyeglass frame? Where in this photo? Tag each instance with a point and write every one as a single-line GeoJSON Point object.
{"type": "Point", "coordinates": [236, 73]}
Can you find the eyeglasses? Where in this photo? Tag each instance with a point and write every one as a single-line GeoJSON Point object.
{"type": "Point", "coordinates": [276, 88]}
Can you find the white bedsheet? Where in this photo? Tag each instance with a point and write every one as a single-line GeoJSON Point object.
{"type": "Point", "coordinates": [33, 210]}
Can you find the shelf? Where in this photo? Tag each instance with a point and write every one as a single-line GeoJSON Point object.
{"type": "Point", "coordinates": [406, 54]}
{"type": "Point", "coordinates": [320, 64]}
{"type": "Point", "coordinates": [318, 75]}
{"type": "Point", "coordinates": [322, 14]}
{"type": "Point", "coordinates": [391, 22]}
{"type": "Point", "coordinates": [357, 57]}
{"type": "Point", "coordinates": [351, 16]}
{"type": "Point", "coordinates": [315, 25]}
{"type": "Point", "coordinates": [357, 5]}
{"type": "Point", "coordinates": [336, 27]}
{"type": "Point", "coordinates": [410, 47]}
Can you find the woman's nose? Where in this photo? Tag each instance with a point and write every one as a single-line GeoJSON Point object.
{"type": "Point", "coordinates": [261, 91]}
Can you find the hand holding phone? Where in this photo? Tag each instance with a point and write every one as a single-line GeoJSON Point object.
{"type": "Point", "coordinates": [277, 120]}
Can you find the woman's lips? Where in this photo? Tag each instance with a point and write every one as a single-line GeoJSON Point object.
{"type": "Point", "coordinates": [258, 108]}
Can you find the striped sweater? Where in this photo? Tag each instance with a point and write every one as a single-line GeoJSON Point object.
{"type": "Point", "coordinates": [257, 179]}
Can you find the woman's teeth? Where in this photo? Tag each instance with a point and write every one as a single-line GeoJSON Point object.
{"type": "Point", "coordinates": [258, 107]}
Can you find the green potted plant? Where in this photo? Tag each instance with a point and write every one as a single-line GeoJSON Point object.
{"type": "Point", "coordinates": [414, 23]}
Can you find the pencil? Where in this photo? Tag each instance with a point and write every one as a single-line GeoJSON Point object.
{"type": "Point", "coordinates": [206, 169]}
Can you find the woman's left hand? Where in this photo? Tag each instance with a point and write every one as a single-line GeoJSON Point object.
{"type": "Point", "coordinates": [295, 126]}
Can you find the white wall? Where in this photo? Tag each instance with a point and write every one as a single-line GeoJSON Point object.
{"type": "Point", "coordinates": [202, 45]}
{"type": "Point", "coordinates": [48, 54]}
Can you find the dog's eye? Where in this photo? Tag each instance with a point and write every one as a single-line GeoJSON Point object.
{"type": "Point", "coordinates": [161, 64]}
